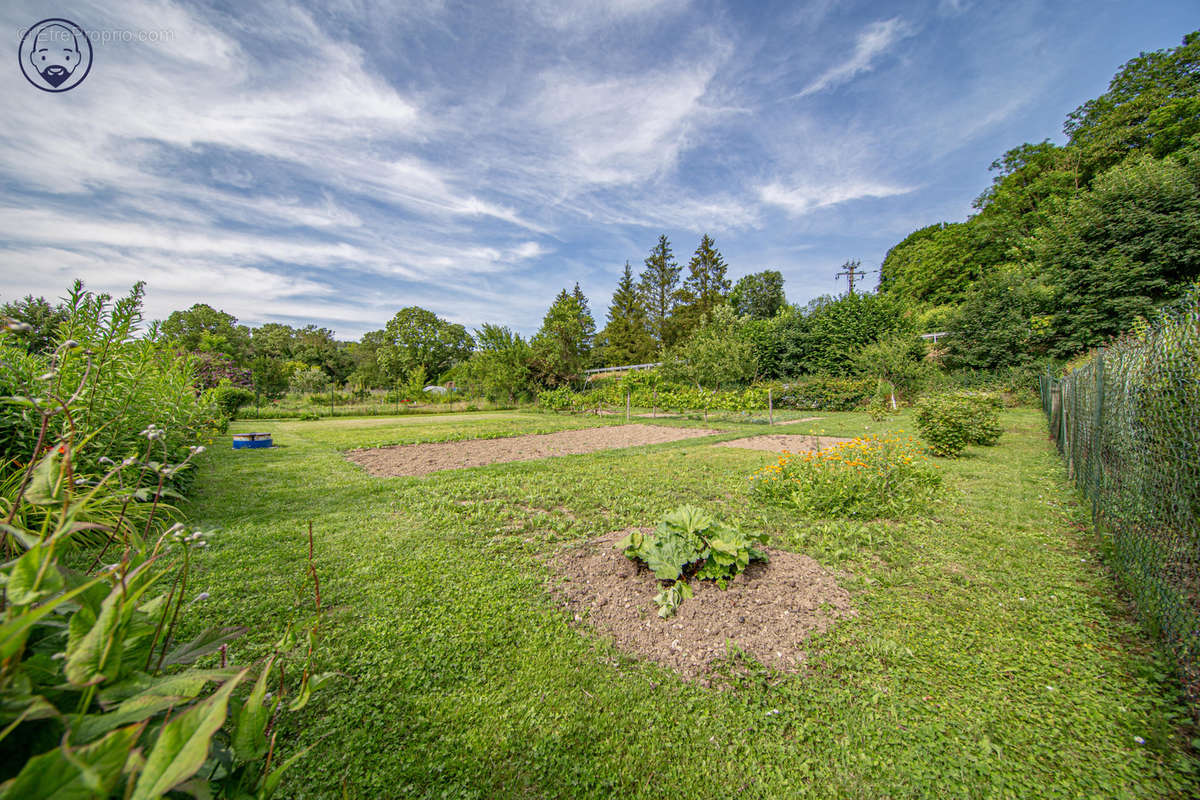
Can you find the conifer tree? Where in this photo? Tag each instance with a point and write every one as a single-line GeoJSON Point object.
{"type": "Point", "coordinates": [705, 288]}
{"type": "Point", "coordinates": [658, 286]}
{"type": "Point", "coordinates": [586, 322]}
{"type": "Point", "coordinates": [626, 337]}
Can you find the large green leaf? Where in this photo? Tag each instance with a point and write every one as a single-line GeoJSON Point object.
{"type": "Point", "coordinates": [189, 683]}
{"type": "Point", "coordinates": [250, 721]}
{"type": "Point", "coordinates": [689, 519]}
{"type": "Point", "coordinates": [666, 556]}
{"type": "Point", "coordinates": [90, 726]}
{"type": "Point", "coordinates": [182, 744]}
{"type": "Point", "coordinates": [23, 586]}
{"type": "Point", "coordinates": [91, 771]}
{"type": "Point", "coordinates": [15, 630]}
{"type": "Point", "coordinates": [94, 642]}
{"type": "Point", "coordinates": [24, 537]}
{"type": "Point", "coordinates": [45, 485]}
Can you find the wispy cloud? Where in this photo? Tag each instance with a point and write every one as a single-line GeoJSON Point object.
{"type": "Point", "coordinates": [335, 161]}
{"type": "Point", "coordinates": [870, 44]}
{"type": "Point", "coordinates": [802, 199]}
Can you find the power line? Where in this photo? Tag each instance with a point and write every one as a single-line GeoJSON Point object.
{"type": "Point", "coordinates": [852, 272]}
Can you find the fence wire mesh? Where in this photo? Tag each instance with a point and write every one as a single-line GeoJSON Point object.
{"type": "Point", "coordinates": [1128, 424]}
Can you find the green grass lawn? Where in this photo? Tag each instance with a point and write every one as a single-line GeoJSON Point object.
{"type": "Point", "coordinates": [989, 658]}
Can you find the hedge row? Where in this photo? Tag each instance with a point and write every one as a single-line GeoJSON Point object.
{"type": "Point", "coordinates": [645, 390]}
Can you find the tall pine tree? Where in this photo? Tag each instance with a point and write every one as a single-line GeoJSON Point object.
{"type": "Point", "coordinates": [658, 285]}
{"type": "Point", "coordinates": [705, 288]}
{"type": "Point", "coordinates": [626, 338]}
{"type": "Point", "coordinates": [586, 322]}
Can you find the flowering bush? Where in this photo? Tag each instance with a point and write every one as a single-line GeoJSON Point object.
{"type": "Point", "coordinates": [865, 478]}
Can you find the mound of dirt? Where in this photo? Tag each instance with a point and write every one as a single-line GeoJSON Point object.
{"type": "Point", "coordinates": [421, 459]}
{"type": "Point", "coordinates": [768, 611]}
{"type": "Point", "coordinates": [778, 442]}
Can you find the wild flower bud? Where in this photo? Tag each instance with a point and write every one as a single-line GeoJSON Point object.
{"type": "Point", "coordinates": [201, 597]}
{"type": "Point", "coordinates": [178, 526]}
{"type": "Point", "coordinates": [49, 376]}
{"type": "Point", "coordinates": [106, 460]}
{"type": "Point", "coordinates": [129, 462]}
{"type": "Point", "coordinates": [70, 344]}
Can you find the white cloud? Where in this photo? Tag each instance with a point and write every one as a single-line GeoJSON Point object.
{"type": "Point", "coordinates": [801, 199]}
{"type": "Point", "coordinates": [617, 130]}
{"type": "Point", "coordinates": [587, 15]}
{"type": "Point", "coordinates": [875, 40]}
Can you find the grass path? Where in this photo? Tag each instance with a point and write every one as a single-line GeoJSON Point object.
{"type": "Point", "coordinates": [989, 657]}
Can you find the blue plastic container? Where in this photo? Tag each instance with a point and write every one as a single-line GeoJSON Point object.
{"type": "Point", "coordinates": [242, 441]}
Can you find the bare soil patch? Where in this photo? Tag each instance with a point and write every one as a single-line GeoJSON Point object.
{"type": "Point", "coordinates": [778, 442]}
{"type": "Point", "coordinates": [768, 611]}
{"type": "Point", "coordinates": [421, 459]}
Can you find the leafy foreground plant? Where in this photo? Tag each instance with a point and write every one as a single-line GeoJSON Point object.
{"type": "Point", "coordinates": [865, 478]}
{"type": "Point", "coordinates": [689, 543]}
{"type": "Point", "coordinates": [97, 697]}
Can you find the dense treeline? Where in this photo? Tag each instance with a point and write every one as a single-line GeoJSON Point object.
{"type": "Point", "coordinates": [1072, 243]}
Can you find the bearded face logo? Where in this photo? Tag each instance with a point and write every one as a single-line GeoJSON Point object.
{"type": "Point", "coordinates": [58, 53]}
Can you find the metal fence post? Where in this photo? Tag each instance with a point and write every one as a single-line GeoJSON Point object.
{"type": "Point", "coordinates": [1097, 439]}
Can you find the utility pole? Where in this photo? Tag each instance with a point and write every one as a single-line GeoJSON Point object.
{"type": "Point", "coordinates": [852, 272]}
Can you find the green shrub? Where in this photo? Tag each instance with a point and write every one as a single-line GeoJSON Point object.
{"type": "Point", "coordinates": [688, 543]}
{"type": "Point", "coordinates": [950, 422]}
{"type": "Point", "coordinates": [337, 398]}
{"type": "Point", "coordinates": [865, 478]}
{"type": "Point", "coordinates": [231, 399]}
{"type": "Point", "coordinates": [827, 394]}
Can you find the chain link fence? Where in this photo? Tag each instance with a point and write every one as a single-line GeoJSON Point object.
{"type": "Point", "coordinates": [1128, 424]}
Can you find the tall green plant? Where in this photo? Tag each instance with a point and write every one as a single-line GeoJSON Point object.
{"type": "Point", "coordinates": [99, 696]}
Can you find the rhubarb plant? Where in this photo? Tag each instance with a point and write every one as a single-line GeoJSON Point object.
{"type": "Point", "coordinates": [689, 543]}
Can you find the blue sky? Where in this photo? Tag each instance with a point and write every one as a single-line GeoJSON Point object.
{"type": "Point", "coordinates": [335, 162]}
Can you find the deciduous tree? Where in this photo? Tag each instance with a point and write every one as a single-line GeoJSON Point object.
{"type": "Point", "coordinates": [758, 295]}
{"type": "Point", "coordinates": [416, 337]}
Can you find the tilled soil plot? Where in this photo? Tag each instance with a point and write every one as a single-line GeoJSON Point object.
{"type": "Point", "coordinates": [778, 442]}
{"type": "Point", "coordinates": [420, 459]}
{"type": "Point", "coordinates": [768, 611]}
